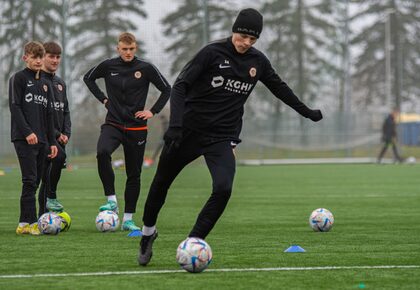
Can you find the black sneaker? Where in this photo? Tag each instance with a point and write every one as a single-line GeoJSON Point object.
{"type": "Point", "coordinates": [146, 251]}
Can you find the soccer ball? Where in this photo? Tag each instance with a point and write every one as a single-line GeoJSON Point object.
{"type": "Point", "coordinates": [49, 223]}
{"type": "Point", "coordinates": [194, 255]}
{"type": "Point", "coordinates": [65, 221]}
{"type": "Point", "coordinates": [321, 220]}
{"type": "Point", "coordinates": [411, 160]}
{"type": "Point", "coordinates": [107, 221]}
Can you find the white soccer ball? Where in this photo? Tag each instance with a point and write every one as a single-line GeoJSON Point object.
{"type": "Point", "coordinates": [321, 220]}
{"type": "Point", "coordinates": [107, 221]}
{"type": "Point", "coordinates": [194, 255]}
{"type": "Point", "coordinates": [49, 223]}
{"type": "Point", "coordinates": [411, 160]}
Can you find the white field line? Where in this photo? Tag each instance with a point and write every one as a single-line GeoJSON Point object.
{"type": "Point", "coordinates": [209, 270]}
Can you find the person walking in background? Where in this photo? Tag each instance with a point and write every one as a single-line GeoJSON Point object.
{"type": "Point", "coordinates": [390, 136]}
{"type": "Point", "coordinates": [47, 197]}
{"type": "Point", "coordinates": [207, 104]}
{"type": "Point", "coordinates": [32, 130]}
{"type": "Point", "coordinates": [127, 80]}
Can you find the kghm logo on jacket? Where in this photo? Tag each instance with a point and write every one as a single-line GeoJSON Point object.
{"type": "Point", "coordinates": [58, 106]}
{"type": "Point", "coordinates": [231, 85]}
{"type": "Point", "coordinates": [37, 99]}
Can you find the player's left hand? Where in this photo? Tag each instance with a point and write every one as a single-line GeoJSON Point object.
{"type": "Point", "coordinates": [146, 114]}
{"type": "Point", "coordinates": [54, 152]}
{"type": "Point", "coordinates": [63, 139]}
{"type": "Point", "coordinates": [315, 115]}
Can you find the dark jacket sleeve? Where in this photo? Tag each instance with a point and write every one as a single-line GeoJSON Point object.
{"type": "Point", "coordinates": [16, 95]}
{"type": "Point", "coordinates": [157, 79]}
{"type": "Point", "coordinates": [281, 90]}
{"type": "Point", "coordinates": [92, 75]}
{"type": "Point", "coordinates": [66, 114]}
{"type": "Point", "coordinates": [185, 79]}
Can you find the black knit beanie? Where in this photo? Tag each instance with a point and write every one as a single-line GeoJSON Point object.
{"type": "Point", "coordinates": [249, 21]}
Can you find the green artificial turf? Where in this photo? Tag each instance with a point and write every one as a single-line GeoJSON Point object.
{"type": "Point", "coordinates": [377, 223]}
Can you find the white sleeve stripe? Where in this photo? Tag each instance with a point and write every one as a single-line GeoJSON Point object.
{"type": "Point", "coordinates": [91, 72]}
{"type": "Point", "coordinates": [12, 81]}
{"type": "Point", "coordinates": [160, 75]}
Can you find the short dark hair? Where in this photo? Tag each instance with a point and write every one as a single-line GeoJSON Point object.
{"type": "Point", "coordinates": [52, 47]}
{"type": "Point", "coordinates": [127, 38]}
{"type": "Point", "coordinates": [35, 48]}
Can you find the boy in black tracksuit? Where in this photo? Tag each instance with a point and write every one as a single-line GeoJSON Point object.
{"type": "Point", "coordinates": [127, 80]}
{"type": "Point", "coordinates": [31, 130]}
{"type": "Point", "coordinates": [47, 197]}
{"type": "Point", "coordinates": [207, 104]}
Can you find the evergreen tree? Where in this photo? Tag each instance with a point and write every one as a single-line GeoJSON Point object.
{"type": "Point", "coordinates": [371, 86]}
{"type": "Point", "coordinates": [23, 21]}
{"type": "Point", "coordinates": [301, 45]}
{"type": "Point", "coordinates": [193, 25]}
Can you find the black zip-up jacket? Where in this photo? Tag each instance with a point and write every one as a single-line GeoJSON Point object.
{"type": "Point", "coordinates": [127, 85]}
{"type": "Point", "coordinates": [210, 92]}
{"type": "Point", "coordinates": [389, 129]}
{"type": "Point", "coordinates": [30, 107]}
{"type": "Point", "coordinates": [62, 122]}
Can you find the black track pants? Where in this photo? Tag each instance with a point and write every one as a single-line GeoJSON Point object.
{"type": "Point", "coordinates": [31, 161]}
{"type": "Point", "coordinates": [50, 178]}
{"type": "Point", "coordinates": [220, 160]}
{"type": "Point", "coordinates": [134, 143]}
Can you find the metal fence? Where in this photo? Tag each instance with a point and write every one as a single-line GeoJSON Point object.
{"type": "Point", "coordinates": [284, 136]}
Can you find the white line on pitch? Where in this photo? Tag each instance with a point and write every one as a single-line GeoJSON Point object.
{"type": "Point", "coordinates": [209, 270]}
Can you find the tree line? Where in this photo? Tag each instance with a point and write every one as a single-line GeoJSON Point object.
{"type": "Point", "coordinates": [309, 43]}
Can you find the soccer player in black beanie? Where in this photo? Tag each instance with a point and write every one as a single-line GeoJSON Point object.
{"type": "Point", "coordinates": [207, 104]}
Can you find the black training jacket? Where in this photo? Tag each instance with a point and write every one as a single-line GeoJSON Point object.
{"type": "Point", "coordinates": [62, 122]}
{"type": "Point", "coordinates": [30, 107]}
{"type": "Point", "coordinates": [209, 94]}
{"type": "Point", "coordinates": [127, 85]}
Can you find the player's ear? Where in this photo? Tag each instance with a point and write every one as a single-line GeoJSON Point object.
{"type": "Point", "coordinates": [24, 57]}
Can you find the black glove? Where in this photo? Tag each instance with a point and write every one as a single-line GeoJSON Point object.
{"type": "Point", "coordinates": [315, 115]}
{"type": "Point", "coordinates": [173, 137]}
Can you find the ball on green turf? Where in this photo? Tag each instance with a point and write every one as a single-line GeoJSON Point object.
{"type": "Point", "coordinates": [65, 221]}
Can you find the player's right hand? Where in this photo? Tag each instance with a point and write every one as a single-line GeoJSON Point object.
{"type": "Point", "coordinates": [32, 139]}
{"type": "Point", "coordinates": [173, 137]}
{"type": "Point", "coordinates": [54, 152]}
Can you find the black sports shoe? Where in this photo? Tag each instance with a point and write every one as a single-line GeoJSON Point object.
{"type": "Point", "coordinates": [146, 251]}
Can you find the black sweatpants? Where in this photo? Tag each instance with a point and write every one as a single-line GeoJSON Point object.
{"type": "Point", "coordinates": [50, 178]}
{"type": "Point", "coordinates": [31, 161]}
{"type": "Point", "coordinates": [220, 161]}
{"type": "Point", "coordinates": [388, 143]}
{"type": "Point", "coordinates": [134, 143]}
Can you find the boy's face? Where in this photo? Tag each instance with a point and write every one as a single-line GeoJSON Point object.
{"type": "Point", "coordinates": [51, 62]}
{"type": "Point", "coordinates": [127, 51]}
{"type": "Point", "coordinates": [33, 62]}
{"type": "Point", "coordinates": [243, 42]}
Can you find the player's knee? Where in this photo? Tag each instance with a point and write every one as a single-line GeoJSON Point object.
{"type": "Point", "coordinates": [133, 178]}
{"type": "Point", "coordinates": [223, 189]}
{"type": "Point", "coordinates": [103, 153]}
{"type": "Point", "coordinates": [29, 185]}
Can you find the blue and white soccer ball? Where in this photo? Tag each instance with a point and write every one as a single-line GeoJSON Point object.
{"type": "Point", "coordinates": [194, 255]}
{"type": "Point", "coordinates": [107, 221]}
{"type": "Point", "coordinates": [49, 223]}
{"type": "Point", "coordinates": [321, 220]}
